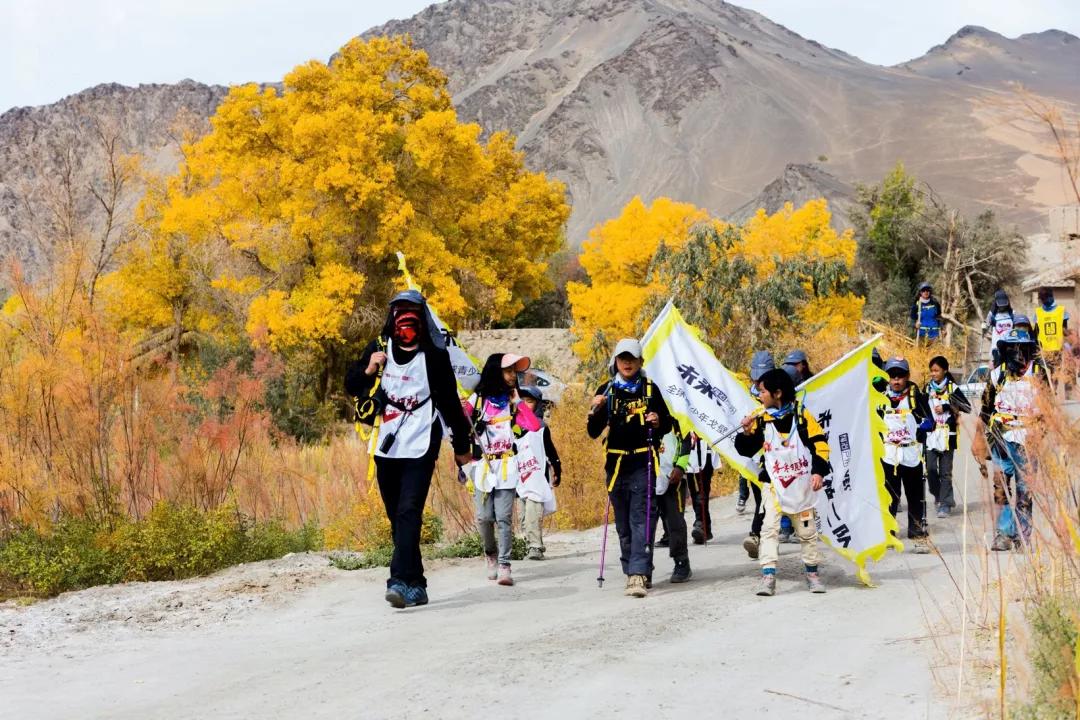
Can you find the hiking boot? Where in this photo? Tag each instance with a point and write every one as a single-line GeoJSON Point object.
{"type": "Point", "coordinates": [682, 571]}
{"type": "Point", "coordinates": [788, 536]}
{"type": "Point", "coordinates": [504, 576]}
{"type": "Point", "coordinates": [813, 583]}
{"type": "Point", "coordinates": [740, 506]}
{"type": "Point", "coordinates": [751, 545]}
{"type": "Point", "coordinates": [663, 542]}
{"type": "Point", "coordinates": [415, 596]}
{"type": "Point", "coordinates": [767, 586]}
{"type": "Point", "coordinates": [635, 587]}
{"type": "Point", "coordinates": [395, 594]}
{"type": "Point", "coordinates": [648, 581]}
{"type": "Point", "coordinates": [1001, 542]}
{"type": "Point", "coordinates": [698, 535]}
{"type": "Point", "coordinates": [943, 512]}
{"type": "Point", "coordinates": [921, 545]}
{"type": "Point", "coordinates": [535, 554]}
{"type": "Point", "coordinates": [492, 567]}
{"type": "Point", "coordinates": [1018, 544]}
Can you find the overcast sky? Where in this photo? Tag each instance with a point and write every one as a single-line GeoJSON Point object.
{"type": "Point", "coordinates": [52, 48]}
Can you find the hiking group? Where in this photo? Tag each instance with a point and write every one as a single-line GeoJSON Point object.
{"type": "Point", "coordinates": [406, 390]}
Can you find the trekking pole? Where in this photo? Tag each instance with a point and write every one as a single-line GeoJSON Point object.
{"type": "Point", "coordinates": [648, 492]}
{"type": "Point", "coordinates": [603, 544]}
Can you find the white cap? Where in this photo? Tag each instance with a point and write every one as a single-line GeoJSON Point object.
{"type": "Point", "coordinates": [626, 346]}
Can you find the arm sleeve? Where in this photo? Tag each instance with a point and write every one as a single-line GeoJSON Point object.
{"type": "Point", "coordinates": [819, 446]}
{"type": "Point", "coordinates": [598, 417]}
{"type": "Point", "coordinates": [682, 459]}
{"type": "Point", "coordinates": [552, 453]}
{"type": "Point", "coordinates": [658, 406]}
{"type": "Point", "coordinates": [750, 444]}
{"type": "Point", "coordinates": [989, 395]}
{"type": "Point", "coordinates": [444, 393]}
{"type": "Point", "coordinates": [914, 313]}
{"type": "Point", "coordinates": [959, 402]}
{"type": "Point", "coordinates": [357, 382]}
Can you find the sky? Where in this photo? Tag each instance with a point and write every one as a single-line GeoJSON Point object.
{"type": "Point", "coordinates": [52, 48]}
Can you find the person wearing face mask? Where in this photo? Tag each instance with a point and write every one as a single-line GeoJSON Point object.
{"type": "Point", "coordinates": [761, 362]}
{"type": "Point", "coordinates": [632, 410]}
{"type": "Point", "coordinates": [795, 457]}
{"type": "Point", "coordinates": [1052, 321]}
{"type": "Point", "coordinates": [926, 314]}
{"type": "Point", "coordinates": [405, 386]}
{"type": "Point", "coordinates": [536, 453]}
{"type": "Point", "coordinates": [998, 323]}
{"type": "Point", "coordinates": [946, 401]}
{"type": "Point", "coordinates": [907, 420]}
{"type": "Point", "coordinates": [1008, 410]}
{"type": "Point", "coordinates": [797, 365]}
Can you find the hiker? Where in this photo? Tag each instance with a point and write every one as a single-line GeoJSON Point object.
{"type": "Point", "coordinates": [795, 456]}
{"type": "Point", "coordinates": [797, 365]}
{"type": "Point", "coordinates": [405, 386]}
{"type": "Point", "coordinates": [998, 323]}
{"type": "Point", "coordinates": [535, 496]}
{"type": "Point", "coordinates": [946, 400]}
{"type": "Point", "coordinates": [926, 314]}
{"type": "Point", "coordinates": [499, 419]}
{"type": "Point", "coordinates": [633, 411]}
{"type": "Point", "coordinates": [907, 420]}
{"type": "Point", "coordinates": [1008, 407]}
{"type": "Point", "coordinates": [703, 463]}
{"type": "Point", "coordinates": [1052, 321]}
{"type": "Point", "coordinates": [674, 457]}
{"type": "Point", "coordinates": [760, 363]}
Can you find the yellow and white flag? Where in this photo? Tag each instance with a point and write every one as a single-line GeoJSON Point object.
{"type": "Point", "coordinates": [466, 367]}
{"type": "Point", "coordinates": [853, 507]}
{"type": "Point", "coordinates": [701, 393]}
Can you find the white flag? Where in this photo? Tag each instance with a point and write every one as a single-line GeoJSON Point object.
{"type": "Point", "coordinates": [853, 507]}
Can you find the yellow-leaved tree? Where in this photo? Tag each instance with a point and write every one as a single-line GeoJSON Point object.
{"type": "Point", "coordinates": [302, 196]}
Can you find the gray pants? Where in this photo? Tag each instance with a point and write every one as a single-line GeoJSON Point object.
{"type": "Point", "coordinates": [939, 476]}
{"type": "Point", "coordinates": [532, 522]}
{"type": "Point", "coordinates": [496, 508]}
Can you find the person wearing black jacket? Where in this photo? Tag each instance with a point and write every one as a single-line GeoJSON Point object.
{"type": "Point", "coordinates": [633, 412]}
{"type": "Point", "coordinates": [946, 401]}
{"type": "Point", "coordinates": [907, 420]}
{"type": "Point", "coordinates": [406, 376]}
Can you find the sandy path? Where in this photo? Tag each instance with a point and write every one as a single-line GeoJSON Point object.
{"type": "Point", "coordinates": [294, 638]}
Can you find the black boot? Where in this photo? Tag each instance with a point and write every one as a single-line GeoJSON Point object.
{"type": "Point", "coordinates": [662, 542]}
{"type": "Point", "coordinates": [682, 571]}
{"type": "Point", "coordinates": [698, 534]}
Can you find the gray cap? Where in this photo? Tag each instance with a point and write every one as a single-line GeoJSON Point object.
{"type": "Point", "coordinates": [761, 363]}
{"type": "Point", "coordinates": [627, 346]}
{"type": "Point", "coordinates": [796, 356]}
{"type": "Point", "coordinates": [925, 286]}
{"type": "Point", "coordinates": [897, 363]}
{"type": "Point", "coordinates": [532, 391]}
{"type": "Point", "coordinates": [792, 373]}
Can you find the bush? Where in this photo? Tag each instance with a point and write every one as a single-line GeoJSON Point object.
{"type": "Point", "coordinates": [170, 543]}
{"type": "Point", "coordinates": [1056, 670]}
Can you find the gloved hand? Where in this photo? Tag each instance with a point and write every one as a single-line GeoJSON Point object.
{"type": "Point", "coordinates": [927, 425]}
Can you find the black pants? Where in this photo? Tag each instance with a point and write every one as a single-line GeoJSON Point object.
{"type": "Point", "coordinates": [939, 465]}
{"type": "Point", "coordinates": [672, 505]}
{"type": "Point", "coordinates": [628, 503]}
{"type": "Point", "coordinates": [404, 485]}
{"type": "Point", "coordinates": [759, 509]}
{"type": "Point", "coordinates": [700, 491]}
{"type": "Point", "coordinates": [910, 479]}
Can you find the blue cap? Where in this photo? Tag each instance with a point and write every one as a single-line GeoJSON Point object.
{"type": "Point", "coordinates": [532, 391]}
{"type": "Point", "coordinates": [796, 356]}
{"type": "Point", "coordinates": [897, 363]}
{"type": "Point", "coordinates": [1018, 336]}
{"type": "Point", "coordinates": [761, 363]}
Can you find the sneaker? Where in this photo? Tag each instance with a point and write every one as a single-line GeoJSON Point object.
{"type": "Point", "coordinates": [492, 567]}
{"type": "Point", "coordinates": [786, 535]}
{"type": "Point", "coordinates": [813, 583]}
{"type": "Point", "coordinates": [767, 586]}
{"type": "Point", "coordinates": [751, 545]}
{"type": "Point", "coordinates": [1001, 542]}
{"type": "Point", "coordinates": [635, 587]}
{"type": "Point", "coordinates": [535, 554]}
{"type": "Point", "coordinates": [942, 511]}
{"type": "Point", "coordinates": [921, 546]}
{"type": "Point", "coordinates": [663, 542]}
{"type": "Point", "coordinates": [740, 506]}
{"type": "Point", "coordinates": [415, 596]}
{"type": "Point", "coordinates": [395, 594]}
{"type": "Point", "coordinates": [504, 575]}
{"type": "Point", "coordinates": [698, 535]}
{"type": "Point", "coordinates": [1018, 544]}
{"type": "Point", "coordinates": [682, 571]}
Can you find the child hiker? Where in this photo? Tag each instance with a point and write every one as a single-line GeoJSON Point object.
{"type": "Point", "coordinates": [536, 453]}
{"type": "Point", "coordinates": [674, 457]}
{"type": "Point", "coordinates": [632, 410]}
{"type": "Point", "coordinates": [404, 384]}
{"type": "Point", "coordinates": [946, 401]}
{"type": "Point", "coordinates": [703, 463]}
{"type": "Point", "coordinates": [907, 420]}
{"type": "Point", "coordinates": [499, 417]}
{"type": "Point", "coordinates": [796, 461]}
{"type": "Point", "coordinates": [760, 363]}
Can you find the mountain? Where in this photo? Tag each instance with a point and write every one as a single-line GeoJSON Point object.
{"type": "Point", "coordinates": [798, 184]}
{"type": "Point", "coordinates": [698, 100]}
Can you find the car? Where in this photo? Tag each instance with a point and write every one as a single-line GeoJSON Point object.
{"type": "Point", "coordinates": [549, 385]}
{"type": "Point", "coordinates": [975, 383]}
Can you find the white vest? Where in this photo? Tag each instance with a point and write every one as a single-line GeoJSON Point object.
{"type": "Point", "coordinates": [939, 438]}
{"type": "Point", "coordinates": [498, 468]}
{"type": "Point", "coordinates": [669, 453]}
{"type": "Point", "coordinates": [901, 446]}
{"type": "Point", "coordinates": [407, 385]}
{"type": "Point", "coordinates": [532, 470]}
{"type": "Point", "coordinates": [1002, 324]}
{"type": "Point", "coordinates": [1013, 404]}
{"type": "Point", "coordinates": [788, 462]}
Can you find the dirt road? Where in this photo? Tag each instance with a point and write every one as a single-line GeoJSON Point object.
{"type": "Point", "coordinates": [295, 638]}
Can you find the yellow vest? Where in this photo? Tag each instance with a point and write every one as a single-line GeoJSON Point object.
{"type": "Point", "coordinates": [1051, 336]}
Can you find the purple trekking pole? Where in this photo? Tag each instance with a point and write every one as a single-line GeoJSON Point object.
{"type": "Point", "coordinates": [603, 544]}
{"type": "Point", "coordinates": [648, 494]}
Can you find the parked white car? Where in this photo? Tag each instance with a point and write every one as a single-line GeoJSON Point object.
{"type": "Point", "coordinates": [975, 383]}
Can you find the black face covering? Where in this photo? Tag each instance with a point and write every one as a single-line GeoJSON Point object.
{"type": "Point", "coordinates": [1016, 358]}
